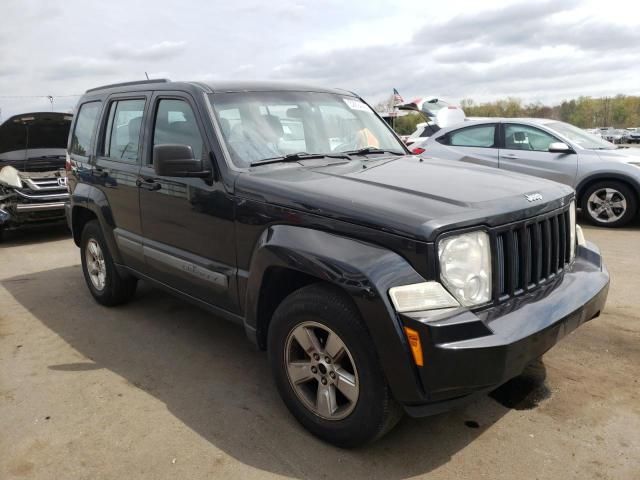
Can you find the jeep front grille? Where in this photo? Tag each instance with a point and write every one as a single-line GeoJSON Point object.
{"type": "Point", "coordinates": [529, 254]}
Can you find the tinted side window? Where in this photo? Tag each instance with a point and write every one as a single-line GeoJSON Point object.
{"type": "Point", "coordinates": [84, 128]}
{"type": "Point", "coordinates": [523, 137]}
{"type": "Point", "coordinates": [122, 138]}
{"type": "Point", "coordinates": [479, 136]}
{"type": "Point", "coordinates": [175, 123]}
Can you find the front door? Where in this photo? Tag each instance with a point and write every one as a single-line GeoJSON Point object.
{"type": "Point", "coordinates": [187, 223]}
{"type": "Point", "coordinates": [526, 150]}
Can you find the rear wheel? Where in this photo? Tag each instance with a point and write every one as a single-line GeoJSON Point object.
{"type": "Point", "coordinates": [326, 368]}
{"type": "Point", "coordinates": [105, 283]}
{"type": "Point", "coordinates": [609, 204]}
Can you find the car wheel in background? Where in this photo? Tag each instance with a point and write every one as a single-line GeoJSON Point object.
{"type": "Point", "coordinates": [105, 283]}
{"type": "Point", "coordinates": [326, 368]}
{"type": "Point", "coordinates": [609, 204]}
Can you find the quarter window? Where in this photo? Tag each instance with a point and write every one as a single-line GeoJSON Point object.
{"type": "Point", "coordinates": [175, 123]}
{"type": "Point", "coordinates": [523, 137]}
{"type": "Point", "coordinates": [84, 128]}
{"type": "Point", "coordinates": [122, 139]}
{"type": "Point", "coordinates": [479, 136]}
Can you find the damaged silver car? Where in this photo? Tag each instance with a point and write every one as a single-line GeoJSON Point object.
{"type": "Point", "coordinates": [33, 181]}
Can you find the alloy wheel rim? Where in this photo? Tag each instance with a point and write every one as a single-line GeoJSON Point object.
{"type": "Point", "coordinates": [95, 264]}
{"type": "Point", "coordinates": [607, 205]}
{"type": "Point", "coordinates": [321, 371]}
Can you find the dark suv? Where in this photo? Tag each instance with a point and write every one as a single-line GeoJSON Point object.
{"type": "Point", "coordinates": [377, 281]}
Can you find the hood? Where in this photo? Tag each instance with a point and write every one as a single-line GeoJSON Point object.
{"type": "Point", "coordinates": [34, 142]}
{"type": "Point", "coordinates": [405, 196]}
{"type": "Point", "coordinates": [624, 155]}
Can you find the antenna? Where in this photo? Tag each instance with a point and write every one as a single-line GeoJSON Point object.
{"type": "Point", "coordinates": [147, 75]}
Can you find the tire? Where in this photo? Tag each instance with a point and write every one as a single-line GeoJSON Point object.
{"type": "Point", "coordinates": [322, 310]}
{"type": "Point", "coordinates": [112, 288]}
{"type": "Point", "coordinates": [619, 200]}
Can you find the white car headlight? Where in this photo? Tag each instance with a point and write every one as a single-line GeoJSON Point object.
{"type": "Point", "coordinates": [421, 296]}
{"type": "Point", "coordinates": [572, 231]}
{"type": "Point", "coordinates": [465, 267]}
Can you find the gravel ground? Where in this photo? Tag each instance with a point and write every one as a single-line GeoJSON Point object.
{"type": "Point", "coordinates": [158, 389]}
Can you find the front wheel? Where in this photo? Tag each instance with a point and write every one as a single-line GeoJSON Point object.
{"type": "Point", "coordinates": [609, 204]}
{"type": "Point", "coordinates": [326, 368]}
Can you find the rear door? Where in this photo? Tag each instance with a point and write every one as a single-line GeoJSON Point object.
{"type": "Point", "coordinates": [189, 235]}
{"type": "Point", "coordinates": [525, 149]}
{"type": "Point", "coordinates": [117, 166]}
{"type": "Point", "coordinates": [476, 144]}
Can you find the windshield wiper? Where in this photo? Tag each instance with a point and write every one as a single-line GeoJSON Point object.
{"type": "Point", "coordinates": [368, 150]}
{"type": "Point", "coordinates": [294, 157]}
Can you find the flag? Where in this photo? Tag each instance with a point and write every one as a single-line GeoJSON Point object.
{"type": "Point", "coordinates": [397, 98]}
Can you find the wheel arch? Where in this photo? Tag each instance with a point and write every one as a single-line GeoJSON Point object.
{"type": "Point", "coordinates": [89, 203]}
{"type": "Point", "coordinates": [602, 177]}
{"type": "Point", "coordinates": [287, 258]}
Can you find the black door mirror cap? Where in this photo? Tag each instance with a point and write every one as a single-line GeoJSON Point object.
{"type": "Point", "coordinates": [174, 160]}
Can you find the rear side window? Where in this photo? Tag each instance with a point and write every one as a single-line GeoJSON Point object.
{"type": "Point", "coordinates": [478, 136]}
{"type": "Point", "coordinates": [84, 128]}
{"type": "Point", "coordinates": [122, 139]}
{"type": "Point", "coordinates": [175, 123]}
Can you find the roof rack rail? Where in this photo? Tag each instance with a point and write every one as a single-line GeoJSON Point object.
{"type": "Point", "coordinates": [127, 84]}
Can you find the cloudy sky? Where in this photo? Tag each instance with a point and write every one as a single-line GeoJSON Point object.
{"type": "Point", "coordinates": [538, 51]}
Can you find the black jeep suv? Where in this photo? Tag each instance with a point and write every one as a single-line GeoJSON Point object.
{"type": "Point", "coordinates": [378, 282]}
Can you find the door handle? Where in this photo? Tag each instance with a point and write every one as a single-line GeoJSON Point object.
{"type": "Point", "coordinates": [148, 184]}
{"type": "Point", "coordinates": [510, 155]}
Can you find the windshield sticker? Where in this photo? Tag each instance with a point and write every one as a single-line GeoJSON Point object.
{"type": "Point", "coordinates": [355, 104]}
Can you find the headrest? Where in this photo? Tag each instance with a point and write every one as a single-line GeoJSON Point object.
{"type": "Point", "coordinates": [274, 122]}
{"type": "Point", "coordinates": [134, 128]}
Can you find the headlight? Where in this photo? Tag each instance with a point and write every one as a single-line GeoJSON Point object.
{"type": "Point", "coordinates": [421, 296]}
{"type": "Point", "coordinates": [572, 231]}
{"type": "Point", "coordinates": [465, 267]}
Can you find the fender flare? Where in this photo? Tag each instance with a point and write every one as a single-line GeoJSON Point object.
{"type": "Point", "coordinates": [599, 176]}
{"type": "Point", "coordinates": [363, 270]}
{"type": "Point", "coordinates": [93, 199]}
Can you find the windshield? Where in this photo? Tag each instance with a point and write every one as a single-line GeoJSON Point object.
{"type": "Point", "coordinates": [580, 137]}
{"type": "Point", "coordinates": [263, 125]}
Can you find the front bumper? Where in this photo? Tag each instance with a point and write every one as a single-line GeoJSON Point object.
{"type": "Point", "coordinates": [467, 353]}
{"type": "Point", "coordinates": [16, 214]}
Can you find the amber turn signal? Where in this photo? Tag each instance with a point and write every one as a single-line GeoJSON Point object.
{"type": "Point", "coordinates": [416, 346]}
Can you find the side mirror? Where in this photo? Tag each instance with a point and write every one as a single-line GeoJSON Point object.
{"type": "Point", "coordinates": [177, 161]}
{"type": "Point", "coordinates": [560, 147]}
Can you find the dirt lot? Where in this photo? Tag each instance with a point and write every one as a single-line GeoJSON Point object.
{"type": "Point", "coordinates": [159, 389]}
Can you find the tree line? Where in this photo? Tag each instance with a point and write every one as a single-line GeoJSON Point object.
{"type": "Point", "coordinates": [621, 111]}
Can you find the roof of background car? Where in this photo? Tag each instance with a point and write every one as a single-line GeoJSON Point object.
{"type": "Point", "coordinates": [540, 121]}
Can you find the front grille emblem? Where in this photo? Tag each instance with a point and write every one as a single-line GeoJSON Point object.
{"type": "Point", "coordinates": [62, 181]}
{"type": "Point", "coordinates": [533, 197]}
